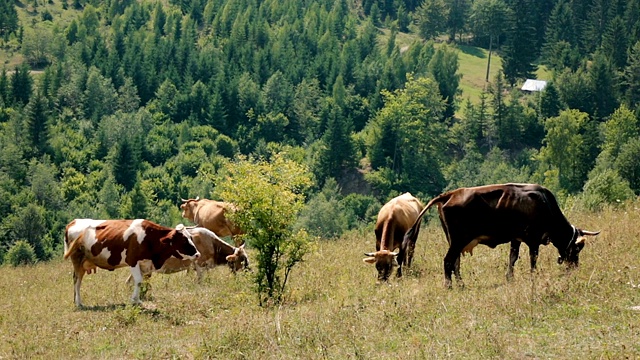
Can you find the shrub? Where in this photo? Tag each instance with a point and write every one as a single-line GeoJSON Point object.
{"type": "Point", "coordinates": [324, 215]}
{"type": "Point", "coordinates": [604, 187]}
{"type": "Point", "coordinates": [269, 197]}
{"type": "Point", "coordinates": [20, 253]}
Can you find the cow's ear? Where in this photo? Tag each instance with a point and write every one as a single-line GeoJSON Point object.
{"type": "Point", "coordinates": [369, 260]}
{"type": "Point", "coordinates": [231, 258]}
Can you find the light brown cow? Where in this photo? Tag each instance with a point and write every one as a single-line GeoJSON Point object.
{"type": "Point", "coordinates": [394, 219]}
{"type": "Point", "coordinates": [111, 244]}
{"type": "Point", "coordinates": [210, 214]}
{"type": "Point", "coordinates": [213, 252]}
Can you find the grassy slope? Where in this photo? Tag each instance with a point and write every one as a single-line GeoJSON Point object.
{"type": "Point", "coordinates": [335, 310]}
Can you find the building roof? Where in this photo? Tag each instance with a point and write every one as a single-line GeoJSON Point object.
{"type": "Point", "coordinates": [533, 85]}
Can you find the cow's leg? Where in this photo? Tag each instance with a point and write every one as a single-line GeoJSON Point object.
{"type": "Point", "coordinates": [456, 270]}
{"type": "Point", "coordinates": [77, 281]}
{"type": "Point", "coordinates": [451, 265]}
{"type": "Point", "coordinates": [199, 270]}
{"type": "Point", "coordinates": [513, 257]}
{"type": "Point", "coordinates": [411, 247]}
{"type": "Point", "coordinates": [533, 256]}
{"type": "Point", "coordinates": [78, 273]}
{"type": "Point", "coordinates": [400, 258]}
{"type": "Point", "coordinates": [137, 280]}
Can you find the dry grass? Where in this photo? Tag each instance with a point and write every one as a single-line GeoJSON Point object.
{"type": "Point", "coordinates": [335, 309]}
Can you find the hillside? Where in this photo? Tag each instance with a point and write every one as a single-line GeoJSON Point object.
{"type": "Point", "coordinates": [334, 309]}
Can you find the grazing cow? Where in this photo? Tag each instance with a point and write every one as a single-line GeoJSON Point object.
{"type": "Point", "coordinates": [210, 214]}
{"type": "Point", "coordinates": [498, 214]}
{"type": "Point", "coordinates": [111, 244]}
{"type": "Point", "coordinates": [213, 252]}
{"type": "Point", "coordinates": [394, 219]}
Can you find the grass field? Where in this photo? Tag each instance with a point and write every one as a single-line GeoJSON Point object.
{"type": "Point", "coordinates": [335, 310]}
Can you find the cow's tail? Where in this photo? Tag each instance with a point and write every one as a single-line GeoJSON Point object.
{"type": "Point", "coordinates": [412, 234]}
{"type": "Point", "coordinates": [71, 248]}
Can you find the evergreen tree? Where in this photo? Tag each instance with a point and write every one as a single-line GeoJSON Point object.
{"type": "Point", "coordinates": [602, 77]}
{"type": "Point", "coordinates": [429, 17]}
{"type": "Point", "coordinates": [560, 49]}
{"type": "Point", "coordinates": [124, 164]}
{"type": "Point", "coordinates": [444, 68]}
{"type": "Point", "coordinates": [336, 136]}
{"type": "Point", "coordinates": [489, 18]}
{"type": "Point", "coordinates": [520, 50]}
{"type": "Point", "coordinates": [596, 22]}
{"type": "Point", "coordinates": [615, 43]}
{"type": "Point", "coordinates": [37, 122]}
{"type": "Point", "coordinates": [550, 104]}
{"type": "Point", "coordinates": [5, 91]}
{"type": "Point", "coordinates": [457, 17]}
{"type": "Point", "coordinates": [21, 84]}
{"type": "Point", "coordinates": [631, 77]}
{"type": "Point", "coordinates": [8, 18]}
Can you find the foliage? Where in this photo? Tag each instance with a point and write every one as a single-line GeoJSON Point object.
{"type": "Point", "coordinates": [20, 253]}
{"type": "Point", "coordinates": [324, 215]}
{"type": "Point", "coordinates": [602, 188]}
{"type": "Point", "coordinates": [406, 135]}
{"type": "Point", "coordinates": [269, 196]}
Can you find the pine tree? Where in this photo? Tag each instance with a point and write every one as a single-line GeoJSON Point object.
{"type": "Point", "coordinates": [21, 84]}
{"type": "Point", "coordinates": [125, 164]}
{"type": "Point", "coordinates": [8, 18]}
{"type": "Point", "coordinates": [615, 43]}
{"type": "Point", "coordinates": [37, 122]}
{"type": "Point", "coordinates": [520, 50]}
{"type": "Point", "coordinates": [631, 77]}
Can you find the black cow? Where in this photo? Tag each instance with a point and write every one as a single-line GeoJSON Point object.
{"type": "Point", "coordinates": [498, 214]}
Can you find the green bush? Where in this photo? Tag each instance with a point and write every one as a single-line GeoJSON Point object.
{"type": "Point", "coordinates": [269, 196]}
{"type": "Point", "coordinates": [604, 187]}
{"type": "Point", "coordinates": [20, 253]}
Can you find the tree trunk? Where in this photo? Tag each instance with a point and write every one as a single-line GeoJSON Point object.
{"type": "Point", "coordinates": [489, 58]}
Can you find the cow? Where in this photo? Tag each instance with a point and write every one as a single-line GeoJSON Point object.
{"type": "Point", "coordinates": [499, 214]}
{"type": "Point", "coordinates": [111, 244]}
{"type": "Point", "coordinates": [394, 220]}
{"type": "Point", "coordinates": [213, 252]}
{"type": "Point", "coordinates": [210, 214]}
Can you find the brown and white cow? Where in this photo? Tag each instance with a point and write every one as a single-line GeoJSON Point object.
{"type": "Point", "coordinates": [394, 219]}
{"type": "Point", "coordinates": [111, 244]}
{"type": "Point", "coordinates": [210, 214]}
{"type": "Point", "coordinates": [499, 214]}
{"type": "Point", "coordinates": [213, 252]}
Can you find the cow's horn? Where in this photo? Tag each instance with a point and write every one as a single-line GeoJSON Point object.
{"type": "Point", "coordinates": [590, 233]}
{"type": "Point", "coordinates": [370, 254]}
{"type": "Point", "coordinates": [183, 200]}
{"type": "Point", "coordinates": [180, 227]}
{"type": "Point", "coordinates": [393, 254]}
{"type": "Point", "coordinates": [197, 197]}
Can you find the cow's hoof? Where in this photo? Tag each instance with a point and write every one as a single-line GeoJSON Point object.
{"type": "Point", "coordinates": [448, 284]}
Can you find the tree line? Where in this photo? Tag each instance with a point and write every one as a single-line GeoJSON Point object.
{"type": "Point", "coordinates": [138, 103]}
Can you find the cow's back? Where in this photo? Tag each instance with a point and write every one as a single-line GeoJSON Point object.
{"type": "Point", "coordinates": [211, 215]}
{"type": "Point", "coordinates": [395, 218]}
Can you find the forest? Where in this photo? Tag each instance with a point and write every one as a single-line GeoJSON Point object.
{"type": "Point", "coordinates": [120, 108]}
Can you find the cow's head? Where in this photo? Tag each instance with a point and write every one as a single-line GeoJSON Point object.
{"type": "Point", "coordinates": [188, 208]}
{"type": "Point", "coordinates": [181, 243]}
{"type": "Point", "coordinates": [238, 260]}
{"type": "Point", "coordinates": [384, 260]}
{"type": "Point", "coordinates": [571, 254]}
